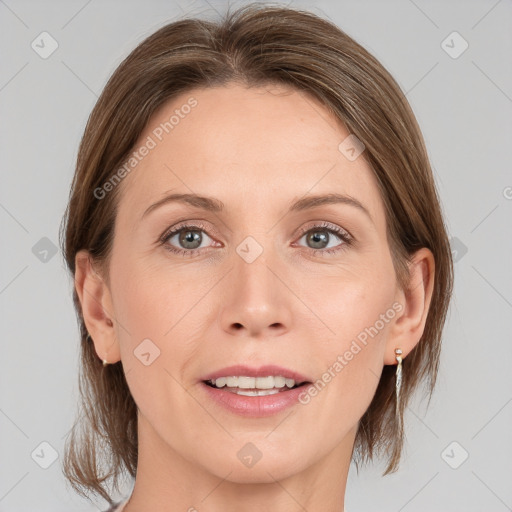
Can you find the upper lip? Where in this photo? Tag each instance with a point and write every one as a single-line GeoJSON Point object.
{"type": "Point", "coordinates": [262, 371]}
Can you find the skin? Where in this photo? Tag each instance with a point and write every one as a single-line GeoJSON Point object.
{"type": "Point", "coordinates": [257, 150]}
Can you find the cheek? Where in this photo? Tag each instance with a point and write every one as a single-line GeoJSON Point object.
{"type": "Point", "coordinates": [352, 302]}
{"type": "Point", "coordinates": [141, 303]}
{"type": "Point", "coordinates": [155, 334]}
{"type": "Point", "coordinates": [359, 312]}
{"type": "Point", "coordinates": [148, 298]}
{"type": "Point", "coordinates": [158, 313]}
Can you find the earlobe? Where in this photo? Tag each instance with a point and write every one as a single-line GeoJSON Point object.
{"type": "Point", "coordinates": [97, 311]}
{"type": "Point", "coordinates": [408, 328]}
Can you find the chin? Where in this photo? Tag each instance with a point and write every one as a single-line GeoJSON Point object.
{"type": "Point", "coordinates": [253, 465]}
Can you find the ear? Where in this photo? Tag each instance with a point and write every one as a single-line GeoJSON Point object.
{"type": "Point", "coordinates": [408, 327]}
{"type": "Point", "coordinates": [97, 309]}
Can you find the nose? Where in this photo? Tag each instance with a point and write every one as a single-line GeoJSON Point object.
{"type": "Point", "coordinates": [257, 303]}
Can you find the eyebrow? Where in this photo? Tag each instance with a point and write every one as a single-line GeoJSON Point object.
{"type": "Point", "coordinates": [205, 203]}
{"type": "Point", "coordinates": [216, 206]}
{"type": "Point", "coordinates": [320, 200]}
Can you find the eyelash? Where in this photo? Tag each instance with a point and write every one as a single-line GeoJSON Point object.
{"type": "Point", "coordinates": [325, 226]}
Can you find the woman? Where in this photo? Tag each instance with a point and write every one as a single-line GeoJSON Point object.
{"type": "Point", "coordinates": [257, 245]}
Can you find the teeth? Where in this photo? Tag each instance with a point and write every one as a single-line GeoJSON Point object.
{"type": "Point", "coordinates": [259, 392]}
{"type": "Point", "coordinates": [221, 382]}
{"type": "Point", "coordinates": [279, 382]}
{"type": "Point", "coordinates": [261, 383]}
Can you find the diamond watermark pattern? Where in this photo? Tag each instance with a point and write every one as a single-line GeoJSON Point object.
{"type": "Point", "coordinates": [44, 250]}
{"type": "Point", "coordinates": [249, 249]}
{"type": "Point", "coordinates": [458, 248]}
{"type": "Point", "coordinates": [454, 455]}
{"type": "Point", "coordinates": [454, 45]}
{"type": "Point", "coordinates": [44, 455]}
{"type": "Point", "coordinates": [351, 147]}
{"type": "Point", "coordinates": [44, 45]}
{"type": "Point", "coordinates": [146, 352]}
{"type": "Point", "coordinates": [249, 454]}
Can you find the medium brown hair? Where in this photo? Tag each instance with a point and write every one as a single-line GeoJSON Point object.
{"type": "Point", "coordinates": [255, 45]}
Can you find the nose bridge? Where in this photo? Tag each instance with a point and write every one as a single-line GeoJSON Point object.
{"type": "Point", "coordinates": [256, 299]}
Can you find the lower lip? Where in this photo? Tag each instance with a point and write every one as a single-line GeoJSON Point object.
{"type": "Point", "coordinates": [255, 406]}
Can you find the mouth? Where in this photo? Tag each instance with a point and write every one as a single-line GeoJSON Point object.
{"type": "Point", "coordinates": [255, 392]}
{"type": "Point", "coordinates": [250, 386]}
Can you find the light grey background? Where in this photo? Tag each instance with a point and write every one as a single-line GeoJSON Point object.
{"type": "Point", "coordinates": [464, 108]}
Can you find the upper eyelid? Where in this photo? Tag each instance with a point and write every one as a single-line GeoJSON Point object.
{"type": "Point", "coordinates": [200, 225]}
{"type": "Point", "coordinates": [328, 226]}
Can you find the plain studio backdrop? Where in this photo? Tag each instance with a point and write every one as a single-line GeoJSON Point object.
{"type": "Point", "coordinates": [451, 58]}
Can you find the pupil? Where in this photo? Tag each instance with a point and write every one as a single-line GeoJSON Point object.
{"type": "Point", "coordinates": [190, 237]}
{"type": "Point", "coordinates": [318, 237]}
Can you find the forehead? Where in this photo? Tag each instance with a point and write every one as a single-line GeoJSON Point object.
{"type": "Point", "coordinates": [263, 145]}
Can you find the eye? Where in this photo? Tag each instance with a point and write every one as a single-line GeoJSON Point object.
{"type": "Point", "coordinates": [185, 240]}
{"type": "Point", "coordinates": [320, 236]}
{"type": "Point", "coordinates": [188, 239]}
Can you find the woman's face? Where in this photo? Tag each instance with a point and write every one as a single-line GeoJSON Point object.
{"type": "Point", "coordinates": [264, 280]}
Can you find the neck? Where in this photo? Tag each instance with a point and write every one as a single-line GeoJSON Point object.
{"type": "Point", "coordinates": [168, 482]}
